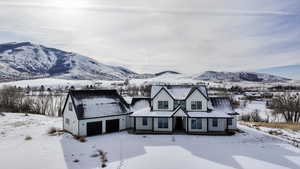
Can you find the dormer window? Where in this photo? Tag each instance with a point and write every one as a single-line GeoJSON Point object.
{"type": "Point", "coordinates": [196, 105]}
{"type": "Point", "coordinates": [163, 105]}
{"type": "Point", "coordinates": [70, 107]}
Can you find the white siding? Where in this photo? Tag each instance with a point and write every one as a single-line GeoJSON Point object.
{"type": "Point", "coordinates": [179, 113]}
{"type": "Point", "coordinates": [139, 123]}
{"type": "Point", "coordinates": [82, 123]}
{"type": "Point", "coordinates": [71, 115]}
{"type": "Point", "coordinates": [129, 122]}
{"type": "Point", "coordinates": [204, 125]}
{"type": "Point", "coordinates": [169, 129]}
{"type": "Point", "coordinates": [196, 96]}
{"type": "Point", "coordinates": [163, 96]}
{"type": "Point", "coordinates": [221, 125]}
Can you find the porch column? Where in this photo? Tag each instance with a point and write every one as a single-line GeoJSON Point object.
{"type": "Point", "coordinates": [152, 124]}
{"type": "Point", "coordinates": [187, 124]}
{"type": "Point", "coordinates": [134, 125]}
{"type": "Point", "coordinates": [207, 124]}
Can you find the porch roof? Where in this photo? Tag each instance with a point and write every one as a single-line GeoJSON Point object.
{"type": "Point", "coordinates": [146, 112]}
{"type": "Point", "coordinates": [219, 113]}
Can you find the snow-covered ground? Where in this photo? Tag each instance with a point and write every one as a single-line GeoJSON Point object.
{"type": "Point", "coordinates": [163, 79]}
{"type": "Point", "coordinates": [251, 150]}
{"type": "Point", "coordinates": [292, 137]}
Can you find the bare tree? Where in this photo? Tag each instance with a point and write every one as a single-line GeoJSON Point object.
{"type": "Point", "coordinates": [287, 105]}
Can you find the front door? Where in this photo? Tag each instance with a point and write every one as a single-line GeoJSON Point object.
{"type": "Point", "coordinates": [178, 123]}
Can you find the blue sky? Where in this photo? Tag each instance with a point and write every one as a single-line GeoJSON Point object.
{"type": "Point", "coordinates": [189, 36]}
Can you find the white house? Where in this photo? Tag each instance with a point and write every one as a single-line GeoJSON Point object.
{"type": "Point", "coordinates": [185, 109]}
{"type": "Point", "coordinates": [170, 109]}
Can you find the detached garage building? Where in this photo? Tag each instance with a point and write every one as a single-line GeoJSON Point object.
{"type": "Point", "coordinates": [94, 112]}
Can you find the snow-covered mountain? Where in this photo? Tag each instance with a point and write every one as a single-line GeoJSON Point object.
{"type": "Point", "coordinates": [239, 76]}
{"type": "Point", "coordinates": [26, 60]}
{"type": "Point", "coordinates": [290, 71]}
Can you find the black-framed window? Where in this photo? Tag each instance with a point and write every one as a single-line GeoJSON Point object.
{"type": "Point", "coordinates": [215, 123]}
{"type": "Point", "coordinates": [196, 124]}
{"type": "Point", "coordinates": [196, 105]}
{"type": "Point", "coordinates": [163, 123]}
{"type": "Point", "coordinates": [67, 121]}
{"type": "Point", "coordinates": [145, 121]}
{"type": "Point", "coordinates": [70, 107]}
{"type": "Point", "coordinates": [229, 122]}
{"type": "Point", "coordinates": [163, 105]}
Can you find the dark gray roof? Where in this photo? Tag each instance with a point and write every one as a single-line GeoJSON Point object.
{"type": "Point", "coordinates": [98, 103]}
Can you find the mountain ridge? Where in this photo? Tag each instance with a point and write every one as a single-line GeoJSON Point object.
{"type": "Point", "coordinates": [239, 76]}
{"type": "Point", "coordinates": [26, 60]}
{"type": "Point", "coordinates": [289, 71]}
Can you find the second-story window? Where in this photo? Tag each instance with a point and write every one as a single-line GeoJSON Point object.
{"type": "Point", "coordinates": [70, 107]}
{"type": "Point", "coordinates": [196, 105]}
{"type": "Point", "coordinates": [163, 105]}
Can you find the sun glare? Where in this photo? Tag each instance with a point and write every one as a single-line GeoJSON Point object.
{"type": "Point", "coordinates": [71, 4]}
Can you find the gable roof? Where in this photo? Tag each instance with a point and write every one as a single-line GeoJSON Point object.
{"type": "Point", "coordinates": [180, 108]}
{"type": "Point", "coordinates": [97, 103]}
{"type": "Point", "coordinates": [178, 92]}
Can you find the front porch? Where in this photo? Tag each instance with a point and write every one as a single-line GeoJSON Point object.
{"type": "Point", "coordinates": [180, 125]}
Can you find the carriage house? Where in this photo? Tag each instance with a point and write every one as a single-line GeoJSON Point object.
{"type": "Point", "coordinates": [169, 109]}
{"type": "Point", "coordinates": [93, 112]}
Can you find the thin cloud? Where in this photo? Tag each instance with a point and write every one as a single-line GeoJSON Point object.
{"type": "Point", "coordinates": [149, 36]}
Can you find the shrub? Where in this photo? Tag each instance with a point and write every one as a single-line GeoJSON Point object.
{"type": "Point", "coordinates": [275, 132]}
{"type": "Point", "coordinates": [28, 138]}
{"type": "Point", "coordinates": [245, 117]}
{"type": "Point", "coordinates": [255, 117]}
{"type": "Point", "coordinates": [80, 138]}
{"type": "Point", "coordinates": [52, 131]}
{"type": "Point", "coordinates": [103, 158]}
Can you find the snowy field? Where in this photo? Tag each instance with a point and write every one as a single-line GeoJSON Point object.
{"type": "Point", "coordinates": [251, 150]}
{"type": "Point", "coordinates": [167, 78]}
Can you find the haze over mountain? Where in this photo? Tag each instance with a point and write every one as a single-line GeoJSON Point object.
{"type": "Point", "coordinates": [239, 76]}
{"type": "Point", "coordinates": [26, 60]}
{"type": "Point", "coordinates": [289, 71]}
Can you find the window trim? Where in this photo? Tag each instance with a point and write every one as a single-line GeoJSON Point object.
{"type": "Point", "coordinates": [163, 124]}
{"type": "Point", "coordinates": [230, 122]}
{"type": "Point", "coordinates": [144, 121]}
{"type": "Point", "coordinates": [163, 105]}
{"type": "Point", "coordinates": [215, 122]}
{"type": "Point", "coordinates": [67, 121]}
{"type": "Point", "coordinates": [196, 124]}
{"type": "Point", "coordinates": [70, 106]}
{"type": "Point", "coordinates": [196, 105]}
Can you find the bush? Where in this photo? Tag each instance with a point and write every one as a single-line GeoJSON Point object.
{"type": "Point", "coordinates": [245, 117]}
{"type": "Point", "coordinates": [52, 131]}
{"type": "Point", "coordinates": [82, 139]}
{"type": "Point", "coordinates": [27, 138]}
{"type": "Point", "coordinates": [275, 132]}
{"type": "Point", "coordinates": [255, 117]}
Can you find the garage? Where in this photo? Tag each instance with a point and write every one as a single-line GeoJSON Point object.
{"type": "Point", "coordinates": [94, 128]}
{"type": "Point", "coordinates": [112, 125]}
